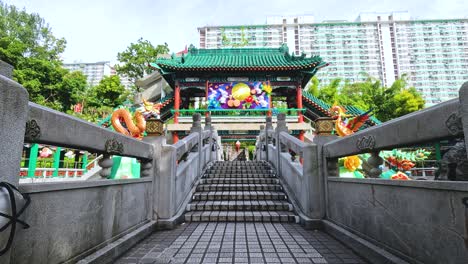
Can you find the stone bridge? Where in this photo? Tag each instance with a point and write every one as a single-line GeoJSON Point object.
{"type": "Point", "coordinates": [287, 206]}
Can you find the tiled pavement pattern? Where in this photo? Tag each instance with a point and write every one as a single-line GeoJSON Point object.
{"type": "Point", "coordinates": [240, 191]}
{"type": "Point", "coordinates": [239, 243]}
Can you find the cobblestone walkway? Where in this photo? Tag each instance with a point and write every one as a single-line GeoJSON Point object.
{"type": "Point", "coordinates": [240, 243]}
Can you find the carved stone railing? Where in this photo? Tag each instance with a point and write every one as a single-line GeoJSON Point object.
{"type": "Point", "coordinates": [41, 127]}
{"type": "Point", "coordinates": [301, 180]}
{"type": "Point", "coordinates": [181, 166]}
{"type": "Point", "coordinates": [84, 216]}
{"type": "Point", "coordinates": [73, 220]}
{"type": "Point", "coordinates": [404, 217]}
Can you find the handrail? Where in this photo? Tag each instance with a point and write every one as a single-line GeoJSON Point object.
{"type": "Point", "coordinates": [292, 143]}
{"type": "Point", "coordinates": [186, 144]}
{"type": "Point", "coordinates": [94, 160]}
{"type": "Point", "coordinates": [79, 134]}
{"type": "Point", "coordinates": [412, 129]}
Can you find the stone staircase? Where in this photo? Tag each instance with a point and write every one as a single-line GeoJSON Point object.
{"type": "Point", "coordinates": [240, 191]}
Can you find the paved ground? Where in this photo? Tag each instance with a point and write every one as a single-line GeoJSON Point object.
{"type": "Point", "coordinates": [240, 243]}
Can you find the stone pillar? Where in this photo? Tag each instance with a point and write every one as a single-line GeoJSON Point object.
{"type": "Point", "coordinates": [260, 144]}
{"type": "Point", "coordinates": [280, 127]}
{"type": "Point", "coordinates": [268, 128]}
{"type": "Point", "coordinates": [212, 144]}
{"type": "Point", "coordinates": [375, 161]}
{"type": "Point", "coordinates": [196, 127]}
{"type": "Point", "coordinates": [463, 97]}
{"type": "Point", "coordinates": [160, 181]}
{"type": "Point", "coordinates": [13, 119]}
{"type": "Point", "coordinates": [313, 187]}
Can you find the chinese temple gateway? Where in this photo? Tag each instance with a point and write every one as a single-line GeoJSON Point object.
{"type": "Point", "coordinates": [239, 86]}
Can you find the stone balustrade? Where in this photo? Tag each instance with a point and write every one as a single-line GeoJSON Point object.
{"type": "Point", "coordinates": [72, 220]}
{"type": "Point", "coordinates": [391, 221]}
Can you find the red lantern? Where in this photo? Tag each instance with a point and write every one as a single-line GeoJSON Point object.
{"type": "Point", "coordinates": [237, 146]}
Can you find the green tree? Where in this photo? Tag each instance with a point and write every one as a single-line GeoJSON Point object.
{"type": "Point", "coordinates": [387, 102]}
{"type": "Point", "coordinates": [109, 92]}
{"type": "Point", "coordinates": [313, 86]}
{"type": "Point", "coordinates": [26, 35]}
{"type": "Point", "coordinates": [329, 93]}
{"type": "Point", "coordinates": [27, 43]}
{"type": "Point", "coordinates": [135, 60]}
{"type": "Point", "coordinates": [101, 100]}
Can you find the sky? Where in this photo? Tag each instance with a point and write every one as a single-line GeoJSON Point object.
{"type": "Point", "coordinates": [96, 30]}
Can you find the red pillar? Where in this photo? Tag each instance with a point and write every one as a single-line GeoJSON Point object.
{"type": "Point", "coordinates": [206, 96]}
{"type": "Point", "coordinates": [301, 135]}
{"type": "Point", "coordinates": [299, 103]}
{"type": "Point", "coordinates": [270, 100]}
{"type": "Point", "coordinates": [176, 103]}
{"type": "Point", "coordinates": [175, 137]}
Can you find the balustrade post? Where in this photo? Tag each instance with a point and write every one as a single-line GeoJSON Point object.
{"type": "Point", "coordinates": [106, 164]}
{"type": "Point", "coordinates": [161, 182]}
{"type": "Point", "coordinates": [463, 97]}
{"type": "Point", "coordinates": [375, 161]}
{"type": "Point", "coordinates": [313, 184]}
{"type": "Point", "coordinates": [268, 127]}
{"type": "Point", "coordinates": [13, 119]}
{"type": "Point", "coordinates": [208, 127]}
{"type": "Point", "coordinates": [280, 127]}
{"type": "Point", "coordinates": [262, 144]}
{"type": "Point", "coordinates": [196, 127]}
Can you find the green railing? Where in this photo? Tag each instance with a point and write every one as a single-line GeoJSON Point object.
{"type": "Point", "coordinates": [239, 112]}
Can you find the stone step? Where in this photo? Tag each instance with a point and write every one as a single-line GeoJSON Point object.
{"type": "Point", "coordinates": [239, 195]}
{"type": "Point", "coordinates": [241, 216]}
{"type": "Point", "coordinates": [239, 181]}
{"type": "Point", "coordinates": [238, 175]}
{"type": "Point", "coordinates": [241, 205]}
{"type": "Point", "coordinates": [238, 187]}
{"type": "Point", "coordinates": [242, 169]}
{"type": "Point", "coordinates": [240, 162]}
{"type": "Point", "coordinates": [239, 170]}
{"type": "Point", "coordinates": [263, 167]}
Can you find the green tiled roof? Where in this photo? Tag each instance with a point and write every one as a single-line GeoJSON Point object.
{"type": "Point", "coordinates": [259, 59]}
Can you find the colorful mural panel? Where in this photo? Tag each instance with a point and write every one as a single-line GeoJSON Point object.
{"type": "Point", "coordinates": [239, 95]}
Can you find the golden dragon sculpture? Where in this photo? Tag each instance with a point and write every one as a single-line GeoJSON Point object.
{"type": "Point", "coordinates": [131, 128]}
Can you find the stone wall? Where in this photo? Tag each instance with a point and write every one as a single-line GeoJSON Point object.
{"type": "Point", "coordinates": [68, 220]}
{"type": "Point", "coordinates": [6, 69]}
{"type": "Point", "coordinates": [419, 221]}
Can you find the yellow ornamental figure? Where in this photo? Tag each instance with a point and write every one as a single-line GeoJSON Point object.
{"type": "Point", "coordinates": [351, 163]}
{"type": "Point", "coordinates": [240, 91]}
{"type": "Point", "coordinates": [267, 88]}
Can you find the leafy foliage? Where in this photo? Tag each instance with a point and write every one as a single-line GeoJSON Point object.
{"type": "Point", "coordinates": [135, 60]}
{"type": "Point", "coordinates": [101, 100]}
{"type": "Point", "coordinates": [109, 92]}
{"type": "Point", "coordinates": [27, 43]}
{"type": "Point", "coordinates": [387, 102]}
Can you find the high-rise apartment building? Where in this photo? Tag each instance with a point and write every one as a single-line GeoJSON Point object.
{"type": "Point", "coordinates": [94, 71]}
{"type": "Point", "coordinates": [432, 53]}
